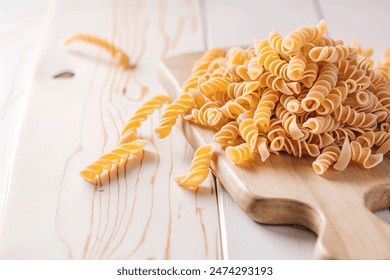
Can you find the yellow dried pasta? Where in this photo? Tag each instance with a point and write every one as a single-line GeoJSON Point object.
{"type": "Point", "coordinates": [199, 169]}
{"type": "Point", "coordinates": [111, 161]}
{"type": "Point", "coordinates": [304, 94]}
{"type": "Point", "coordinates": [121, 57]}
{"type": "Point", "coordinates": [129, 132]}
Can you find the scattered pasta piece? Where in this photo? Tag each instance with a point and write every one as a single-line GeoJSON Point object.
{"type": "Point", "coordinates": [129, 144]}
{"type": "Point", "coordinates": [120, 56]}
{"type": "Point", "coordinates": [111, 161]}
{"type": "Point", "coordinates": [199, 169]}
{"type": "Point", "coordinates": [129, 132]}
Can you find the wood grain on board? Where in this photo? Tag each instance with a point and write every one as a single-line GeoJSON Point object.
{"type": "Point", "coordinates": [69, 122]}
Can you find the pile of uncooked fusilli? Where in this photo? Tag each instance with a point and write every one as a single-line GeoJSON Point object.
{"type": "Point", "coordinates": [304, 94]}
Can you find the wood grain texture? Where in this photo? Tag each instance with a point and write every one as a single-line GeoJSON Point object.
{"type": "Point", "coordinates": [51, 213]}
{"type": "Point", "coordinates": [284, 190]}
{"type": "Point", "coordinates": [20, 25]}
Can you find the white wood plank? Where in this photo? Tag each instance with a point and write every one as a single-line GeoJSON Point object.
{"type": "Point", "coordinates": [255, 241]}
{"type": "Point", "coordinates": [236, 23]}
{"type": "Point", "coordinates": [363, 20]}
{"type": "Point", "coordinates": [51, 212]}
{"type": "Point", "coordinates": [20, 25]}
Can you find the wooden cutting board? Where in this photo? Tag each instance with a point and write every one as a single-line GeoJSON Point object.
{"type": "Point", "coordinates": [285, 190]}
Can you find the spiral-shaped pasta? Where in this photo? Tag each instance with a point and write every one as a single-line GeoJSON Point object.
{"type": "Point", "coordinates": [350, 116]}
{"type": "Point", "coordinates": [327, 79]}
{"type": "Point", "coordinates": [291, 103]}
{"type": "Point", "coordinates": [239, 153]}
{"type": "Point", "coordinates": [366, 53]}
{"type": "Point", "coordinates": [383, 95]}
{"type": "Point", "coordinates": [254, 69]}
{"type": "Point", "coordinates": [309, 75]}
{"type": "Point", "coordinates": [275, 42]}
{"type": "Point", "coordinates": [328, 157]}
{"type": "Point", "coordinates": [232, 109]}
{"type": "Point", "coordinates": [276, 135]}
{"type": "Point", "coordinates": [329, 54]}
{"type": "Point", "coordinates": [236, 90]}
{"type": "Point", "coordinates": [181, 105]}
{"type": "Point", "coordinates": [236, 56]}
{"type": "Point", "coordinates": [207, 58]}
{"type": "Point", "coordinates": [199, 169]}
{"type": "Point", "coordinates": [289, 122]}
{"type": "Point", "coordinates": [120, 56]}
{"type": "Point", "coordinates": [111, 161]}
{"type": "Point", "coordinates": [129, 132]}
{"type": "Point", "coordinates": [298, 38]}
{"type": "Point", "coordinates": [263, 113]}
{"type": "Point", "coordinates": [249, 132]}
{"type": "Point", "coordinates": [276, 83]}
{"type": "Point", "coordinates": [300, 147]}
{"type": "Point", "coordinates": [271, 61]}
{"type": "Point", "coordinates": [228, 133]}
{"type": "Point", "coordinates": [296, 67]}
{"type": "Point", "coordinates": [364, 156]}
{"type": "Point", "coordinates": [209, 115]}
{"type": "Point", "coordinates": [319, 125]}
{"type": "Point", "coordinates": [216, 85]}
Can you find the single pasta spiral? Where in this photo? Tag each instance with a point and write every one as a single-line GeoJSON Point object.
{"type": "Point", "coordinates": [263, 113]}
{"type": "Point", "coordinates": [249, 132]}
{"type": "Point", "coordinates": [328, 157]}
{"type": "Point", "coordinates": [254, 69]}
{"type": "Point", "coordinates": [297, 39]}
{"type": "Point", "coordinates": [276, 135]}
{"type": "Point", "coordinates": [181, 105]}
{"type": "Point", "coordinates": [296, 67]}
{"type": "Point", "coordinates": [319, 125]}
{"type": "Point", "coordinates": [120, 56]}
{"type": "Point", "coordinates": [275, 42]}
{"type": "Point", "coordinates": [227, 134]}
{"type": "Point", "coordinates": [350, 116]}
{"type": "Point", "coordinates": [215, 85]}
{"type": "Point", "coordinates": [271, 61]}
{"type": "Point", "coordinates": [364, 156]}
{"type": "Point", "coordinates": [129, 132]}
{"type": "Point", "coordinates": [199, 169]}
{"type": "Point", "coordinates": [239, 153]}
{"type": "Point", "coordinates": [289, 122]}
{"type": "Point", "coordinates": [112, 160]}
{"type": "Point", "coordinates": [329, 54]}
{"type": "Point", "coordinates": [276, 83]}
{"type": "Point", "coordinates": [208, 115]}
{"type": "Point", "coordinates": [326, 80]}
{"type": "Point", "coordinates": [309, 75]}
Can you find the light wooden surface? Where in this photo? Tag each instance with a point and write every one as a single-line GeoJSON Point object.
{"type": "Point", "coordinates": [171, 27]}
{"type": "Point", "coordinates": [20, 27]}
{"type": "Point", "coordinates": [51, 212]}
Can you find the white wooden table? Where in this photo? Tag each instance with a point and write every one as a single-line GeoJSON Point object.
{"type": "Point", "coordinates": [51, 128]}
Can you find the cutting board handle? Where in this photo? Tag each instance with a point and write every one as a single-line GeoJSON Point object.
{"type": "Point", "coordinates": [357, 233]}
